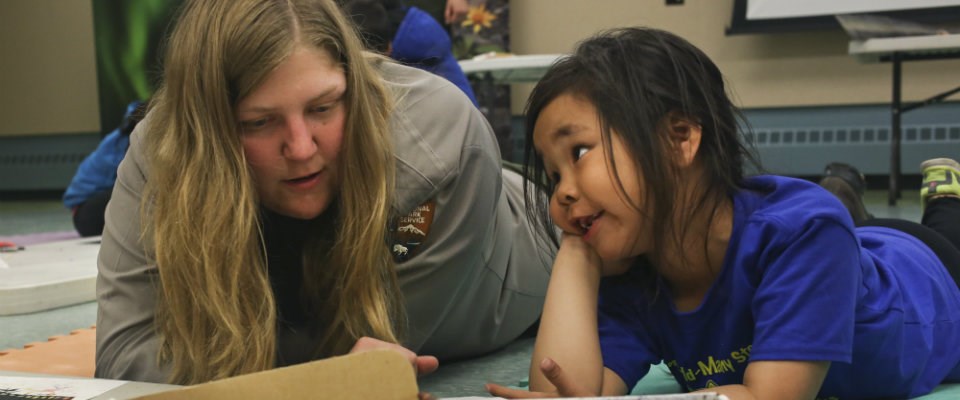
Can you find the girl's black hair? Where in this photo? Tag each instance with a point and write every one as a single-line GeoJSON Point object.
{"type": "Point", "coordinates": [639, 78]}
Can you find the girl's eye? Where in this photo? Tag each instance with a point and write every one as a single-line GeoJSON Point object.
{"type": "Point", "coordinates": [579, 151]}
{"type": "Point", "coordinates": [320, 109]}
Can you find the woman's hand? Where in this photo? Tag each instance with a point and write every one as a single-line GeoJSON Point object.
{"type": "Point", "coordinates": [566, 386]}
{"type": "Point", "coordinates": [423, 365]}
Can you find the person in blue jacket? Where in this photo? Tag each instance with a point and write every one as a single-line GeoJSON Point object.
{"type": "Point", "coordinates": [758, 287]}
{"type": "Point", "coordinates": [408, 35]}
{"type": "Point", "coordinates": [89, 190]}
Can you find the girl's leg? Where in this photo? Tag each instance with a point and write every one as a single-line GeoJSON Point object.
{"type": "Point", "coordinates": [945, 250]}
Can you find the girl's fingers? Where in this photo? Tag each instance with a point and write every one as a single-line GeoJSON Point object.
{"type": "Point", "coordinates": [565, 385]}
{"type": "Point", "coordinates": [509, 393]}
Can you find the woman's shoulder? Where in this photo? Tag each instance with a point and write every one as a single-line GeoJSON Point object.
{"type": "Point", "coordinates": [436, 130]}
{"type": "Point", "coordinates": [422, 91]}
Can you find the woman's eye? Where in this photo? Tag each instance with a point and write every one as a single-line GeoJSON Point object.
{"type": "Point", "coordinates": [320, 109]}
{"type": "Point", "coordinates": [579, 152]}
{"type": "Point", "coordinates": [255, 124]}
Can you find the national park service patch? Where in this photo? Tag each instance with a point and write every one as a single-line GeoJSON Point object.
{"type": "Point", "coordinates": [408, 232]}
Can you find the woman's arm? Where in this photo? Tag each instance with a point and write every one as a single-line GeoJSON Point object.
{"type": "Point", "coordinates": [127, 340]}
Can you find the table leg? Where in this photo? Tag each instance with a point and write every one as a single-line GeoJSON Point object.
{"type": "Point", "coordinates": [894, 190]}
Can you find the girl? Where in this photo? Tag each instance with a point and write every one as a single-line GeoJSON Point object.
{"type": "Point", "coordinates": [756, 287]}
{"type": "Point", "coordinates": [287, 196]}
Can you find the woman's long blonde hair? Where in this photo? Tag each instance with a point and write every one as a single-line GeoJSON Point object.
{"type": "Point", "coordinates": [216, 311]}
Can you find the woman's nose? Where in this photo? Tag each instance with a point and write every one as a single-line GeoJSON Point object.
{"type": "Point", "coordinates": [300, 143]}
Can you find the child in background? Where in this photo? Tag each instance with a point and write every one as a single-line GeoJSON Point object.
{"type": "Point", "coordinates": [90, 188]}
{"type": "Point", "coordinates": [753, 287]}
{"type": "Point", "coordinates": [408, 35]}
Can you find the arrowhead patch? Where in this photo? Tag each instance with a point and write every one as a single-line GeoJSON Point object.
{"type": "Point", "coordinates": [409, 232]}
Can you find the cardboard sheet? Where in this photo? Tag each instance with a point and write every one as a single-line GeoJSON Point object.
{"type": "Point", "coordinates": [382, 375]}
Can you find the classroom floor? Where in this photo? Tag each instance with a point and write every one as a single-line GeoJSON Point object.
{"type": "Point", "coordinates": [507, 366]}
{"type": "Point", "coordinates": [39, 216]}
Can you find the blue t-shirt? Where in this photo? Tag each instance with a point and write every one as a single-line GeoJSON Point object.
{"type": "Point", "coordinates": [798, 282]}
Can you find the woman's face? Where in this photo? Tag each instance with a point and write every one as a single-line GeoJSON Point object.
{"type": "Point", "coordinates": [586, 200]}
{"type": "Point", "coordinates": [291, 127]}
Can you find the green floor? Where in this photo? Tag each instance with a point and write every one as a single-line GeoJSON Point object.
{"type": "Point", "coordinates": [27, 217]}
{"type": "Point", "coordinates": [33, 216]}
{"type": "Point", "coordinates": [464, 378]}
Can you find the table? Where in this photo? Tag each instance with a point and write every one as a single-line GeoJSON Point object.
{"type": "Point", "coordinates": [49, 275]}
{"type": "Point", "coordinates": [897, 50]}
{"type": "Point", "coordinates": [508, 69]}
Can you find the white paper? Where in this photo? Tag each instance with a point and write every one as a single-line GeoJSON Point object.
{"type": "Point", "coordinates": [55, 388]}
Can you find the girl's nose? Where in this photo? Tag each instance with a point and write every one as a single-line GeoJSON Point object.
{"type": "Point", "coordinates": [300, 143]}
{"type": "Point", "coordinates": [567, 192]}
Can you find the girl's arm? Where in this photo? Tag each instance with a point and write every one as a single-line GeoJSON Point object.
{"type": "Point", "coordinates": [778, 380]}
{"type": "Point", "coordinates": [566, 357]}
{"type": "Point", "coordinates": [568, 326]}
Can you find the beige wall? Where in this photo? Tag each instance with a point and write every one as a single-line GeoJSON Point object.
{"type": "Point", "coordinates": [765, 70]}
{"type": "Point", "coordinates": [48, 70]}
{"type": "Point", "coordinates": [48, 78]}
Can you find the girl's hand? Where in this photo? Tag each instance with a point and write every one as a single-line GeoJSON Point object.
{"type": "Point", "coordinates": [566, 387]}
{"type": "Point", "coordinates": [572, 245]}
{"type": "Point", "coordinates": [423, 365]}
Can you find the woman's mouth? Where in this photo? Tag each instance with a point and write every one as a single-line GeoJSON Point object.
{"type": "Point", "coordinates": [304, 182]}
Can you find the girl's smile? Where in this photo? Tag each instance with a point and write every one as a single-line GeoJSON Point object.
{"type": "Point", "coordinates": [596, 186]}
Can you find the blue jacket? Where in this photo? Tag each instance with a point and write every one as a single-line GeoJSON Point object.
{"type": "Point", "coordinates": [98, 171]}
{"type": "Point", "coordinates": [421, 42]}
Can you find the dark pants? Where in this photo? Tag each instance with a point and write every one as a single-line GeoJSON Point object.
{"type": "Point", "coordinates": [939, 230]}
{"type": "Point", "coordinates": [88, 216]}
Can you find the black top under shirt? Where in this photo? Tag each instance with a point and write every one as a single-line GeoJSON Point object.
{"type": "Point", "coordinates": [284, 238]}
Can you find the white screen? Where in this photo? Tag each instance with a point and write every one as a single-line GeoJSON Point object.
{"type": "Point", "coordinates": [770, 9]}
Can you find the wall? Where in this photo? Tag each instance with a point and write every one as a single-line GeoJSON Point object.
{"type": "Point", "coordinates": [768, 70]}
{"type": "Point", "coordinates": [48, 78]}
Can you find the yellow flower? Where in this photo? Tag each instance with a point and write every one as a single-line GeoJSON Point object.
{"type": "Point", "coordinates": [479, 16]}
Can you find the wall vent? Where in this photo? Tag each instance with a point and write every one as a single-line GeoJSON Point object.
{"type": "Point", "coordinates": [42, 162]}
{"type": "Point", "coordinates": [803, 151]}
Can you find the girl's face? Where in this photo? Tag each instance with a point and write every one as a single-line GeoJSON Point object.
{"type": "Point", "coordinates": [291, 128]}
{"type": "Point", "coordinates": [586, 200]}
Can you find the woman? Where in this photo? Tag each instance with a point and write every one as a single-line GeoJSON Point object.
{"type": "Point", "coordinates": [288, 194]}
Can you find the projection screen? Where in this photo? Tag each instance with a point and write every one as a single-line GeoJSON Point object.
{"type": "Point", "coordinates": [772, 9]}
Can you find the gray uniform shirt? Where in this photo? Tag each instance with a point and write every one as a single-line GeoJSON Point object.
{"type": "Point", "coordinates": [475, 282]}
